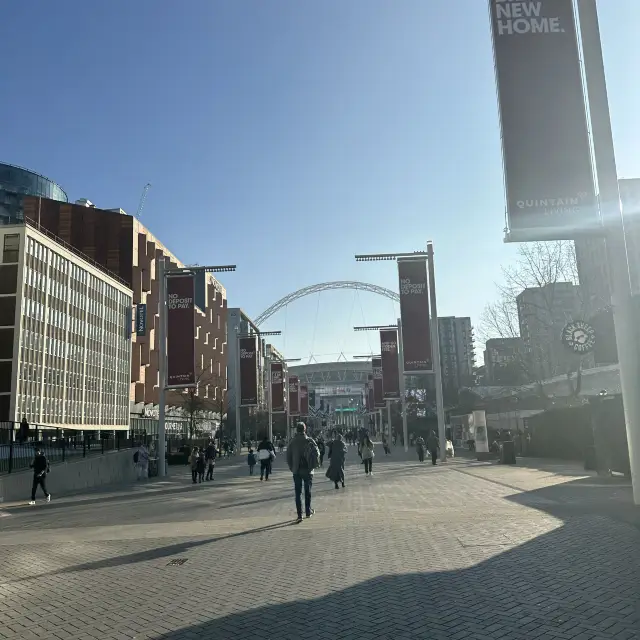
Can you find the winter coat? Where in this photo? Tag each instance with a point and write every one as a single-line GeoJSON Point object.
{"type": "Point", "coordinates": [297, 449]}
{"type": "Point", "coordinates": [367, 452]}
{"type": "Point", "coordinates": [337, 452]}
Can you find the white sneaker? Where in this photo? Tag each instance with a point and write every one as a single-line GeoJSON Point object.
{"type": "Point", "coordinates": [32, 501]}
{"type": "Point", "coordinates": [366, 473]}
{"type": "Point", "coordinates": [49, 498]}
{"type": "Point", "coordinates": [371, 474]}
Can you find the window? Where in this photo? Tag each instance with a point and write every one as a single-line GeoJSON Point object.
{"type": "Point", "coordinates": [11, 248]}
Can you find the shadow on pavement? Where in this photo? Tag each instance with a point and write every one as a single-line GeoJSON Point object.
{"type": "Point", "coordinates": [581, 578]}
{"type": "Point", "coordinates": [153, 554]}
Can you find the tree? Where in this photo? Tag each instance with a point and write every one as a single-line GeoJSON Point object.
{"type": "Point", "coordinates": [207, 397]}
{"type": "Point", "coordinates": [539, 264]}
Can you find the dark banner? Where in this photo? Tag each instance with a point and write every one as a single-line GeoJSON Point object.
{"type": "Point", "coordinates": [277, 387]}
{"type": "Point", "coordinates": [414, 313]}
{"type": "Point", "coordinates": [304, 400]}
{"type": "Point", "coordinates": [369, 394]}
{"type": "Point", "coordinates": [378, 396]}
{"type": "Point", "coordinates": [294, 396]}
{"type": "Point", "coordinates": [389, 356]}
{"type": "Point", "coordinates": [248, 371]}
{"type": "Point", "coordinates": [545, 145]}
{"type": "Point", "coordinates": [181, 332]}
{"type": "Point", "coordinates": [141, 319]}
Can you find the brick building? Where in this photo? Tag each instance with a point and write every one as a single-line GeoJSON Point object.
{"type": "Point", "coordinates": [124, 246]}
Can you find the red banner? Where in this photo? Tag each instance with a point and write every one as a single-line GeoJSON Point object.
{"type": "Point", "coordinates": [248, 371]}
{"type": "Point", "coordinates": [369, 395]}
{"type": "Point", "coordinates": [414, 313]}
{"type": "Point", "coordinates": [294, 396]}
{"type": "Point", "coordinates": [390, 372]}
{"type": "Point", "coordinates": [378, 397]}
{"type": "Point", "coordinates": [304, 400]}
{"type": "Point", "coordinates": [181, 332]}
{"type": "Point", "coordinates": [277, 387]}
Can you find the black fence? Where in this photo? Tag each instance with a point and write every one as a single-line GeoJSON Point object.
{"type": "Point", "coordinates": [17, 448]}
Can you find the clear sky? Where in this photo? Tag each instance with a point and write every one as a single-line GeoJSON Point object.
{"type": "Point", "coordinates": [287, 135]}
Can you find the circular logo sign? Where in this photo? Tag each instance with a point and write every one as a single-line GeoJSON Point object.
{"type": "Point", "coordinates": [579, 336]}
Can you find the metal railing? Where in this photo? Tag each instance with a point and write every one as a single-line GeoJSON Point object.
{"type": "Point", "coordinates": [17, 449]}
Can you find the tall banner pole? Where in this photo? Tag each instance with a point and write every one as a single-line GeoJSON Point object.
{"type": "Point", "coordinates": [270, 401]}
{"type": "Point", "coordinates": [607, 173]}
{"type": "Point", "coordinates": [237, 394]}
{"type": "Point", "coordinates": [162, 364]}
{"type": "Point", "coordinates": [403, 389]}
{"type": "Point", "coordinates": [435, 348]}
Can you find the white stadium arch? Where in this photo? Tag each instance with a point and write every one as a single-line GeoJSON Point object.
{"type": "Point", "coordinates": [325, 286]}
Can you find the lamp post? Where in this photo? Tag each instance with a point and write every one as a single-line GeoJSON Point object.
{"type": "Point", "coordinates": [435, 346]}
{"type": "Point", "coordinates": [163, 273]}
{"type": "Point", "coordinates": [403, 396]}
{"type": "Point", "coordinates": [256, 334]}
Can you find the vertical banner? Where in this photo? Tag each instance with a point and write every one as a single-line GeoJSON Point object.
{"type": "Point", "coordinates": [277, 388]}
{"type": "Point", "coordinates": [141, 320]}
{"type": "Point", "coordinates": [304, 400]}
{"type": "Point", "coordinates": [378, 396]}
{"type": "Point", "coordinates": [294, 396]}
{"type": "Point", "coordinates": [545, 146]}
{"type": "Point", "coordinates": [390, 369]}
{"type": "Point", "coordinates": [181, 332]}
{"type": "Point", "coordinates": [248, 371]}
{"type": "Point", "coordinates": [414, 314]}
{"type": "Point", "coordinates": [369, 395]}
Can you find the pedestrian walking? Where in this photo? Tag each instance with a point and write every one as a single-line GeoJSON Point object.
{"type": "Point", "coordinates": [201, 465]}
{"type": "Point", "coordinates": [433, 444]}
{"type": "Point", "coordinates": [141, 460]}
{"type": "Point", "coordinates": [251, 461]}
{"type": "Point", "coordinates": [210, 458]}
{"type": "Point", "coordinates": [322, 449]}
{"type": "Point", "coordinates": [366, 450]}
{"type": "Point", "coordinates": [40, 466]}
{"type": "Point", "coordinates": [194, 465]}
{"type": "Point", "coordinates": [337, 454]}
{"type": "Point", "coordinates": [420, 447]}
{"type": "Point", "coordinates": [303, 457]}
{"type": "Point", "coordinates": [385, 445]}
{"type": "Point", "coordinates": [266, 455]}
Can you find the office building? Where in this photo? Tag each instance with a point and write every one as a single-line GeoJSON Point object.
{"type": "Point", "coordinates": [16, 183]}
{"type": "Point", "coordinates": [543, 312]}
{"type": "Point", "coordinates": [122, 245]}
{"type": "Point", "coordinates": [65, 346]}
{"type": "Point", "coordinates": [502, 361]}
{"type": "Point", "coordinates": [457, 355]}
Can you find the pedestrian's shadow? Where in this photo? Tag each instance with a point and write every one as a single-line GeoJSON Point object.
{"type": "Point", "coordinates": [153, 554]}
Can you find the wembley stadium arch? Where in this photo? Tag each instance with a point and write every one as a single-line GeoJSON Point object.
{"type": "Point", "coordinates": [325, 286]}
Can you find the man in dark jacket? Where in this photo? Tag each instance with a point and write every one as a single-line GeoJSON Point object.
{"type": "Point", "coordinates": [433, 444]}
{"type": "Point", "coordinates": [298, 460]}
{"type": "Point", "coordinates": [40, 466]}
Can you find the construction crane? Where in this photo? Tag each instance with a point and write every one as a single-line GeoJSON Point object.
{"type": "Point", "coordinates": [143, 197]}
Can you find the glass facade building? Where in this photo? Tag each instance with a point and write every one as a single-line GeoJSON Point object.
{"type": "Point", "coordinates": [71, 337]}
{"type": "Point", "coordinates": [15, 183]}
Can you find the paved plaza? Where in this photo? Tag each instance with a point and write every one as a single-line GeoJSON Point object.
{"type": "Point", "coordinates": [461, 551]}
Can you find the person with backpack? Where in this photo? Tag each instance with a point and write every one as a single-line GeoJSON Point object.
{"type": "Point", "coordinates": [303, 457]}
{"type": "Point", "coordinates": [40, 466]}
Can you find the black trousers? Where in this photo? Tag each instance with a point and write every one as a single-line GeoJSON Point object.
{"type": "Point", "coordinates": [265, 468]}
{"type": "Point", "coordinates": [210, 472]}
{"type": "Point", "coordinates": [194, 475]}
{"type": "Point", "coordinates": [368, 464]}
{"type": "Point", "coordinates": [39, 480]}
{"type": "Point", "coordinates": [434, 457]}
{"type": "Point", "coordinates": [421, 455]}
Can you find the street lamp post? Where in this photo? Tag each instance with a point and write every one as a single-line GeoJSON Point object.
{"type": "Point", "coordinates": [163, 273]}
{"type": "Point", "coordinates": [428, 256]}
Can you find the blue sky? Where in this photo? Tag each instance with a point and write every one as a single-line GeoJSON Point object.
{"type": "Point", "coordinates": [287, 135]}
